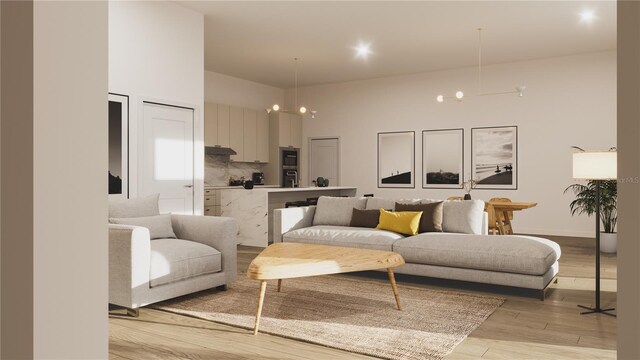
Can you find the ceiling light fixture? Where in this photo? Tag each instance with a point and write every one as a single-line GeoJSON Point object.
{"type": "Point", "coordinates": [302, 109]}
{"type": "Point", "coordinates": [460, 95]}
{"type": "Point", "coordinates": [587, 16]}
{"type": "Point", "coordinates": [363, 50]}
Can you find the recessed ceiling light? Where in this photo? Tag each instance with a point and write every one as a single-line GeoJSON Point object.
{"type": "Point", "coordinates": [363, 50]}
{"type": "Point", "coordinates": [587, 16]}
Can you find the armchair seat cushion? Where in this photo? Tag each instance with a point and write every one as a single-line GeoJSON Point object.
{"type": "Point", "coordinates": [175, 260]}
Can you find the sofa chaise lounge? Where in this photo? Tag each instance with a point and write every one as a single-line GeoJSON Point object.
{"type": "Point", "coordinates": [463, 251]}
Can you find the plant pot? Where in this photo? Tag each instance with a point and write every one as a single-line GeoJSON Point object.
{"type": "Point", "coordinates": [467, 196]}
{"type": "Point", "coordinates": [608, 243]}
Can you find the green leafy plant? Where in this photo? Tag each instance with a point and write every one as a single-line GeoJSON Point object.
{"type": "Point", "coordinates": [585, 202]}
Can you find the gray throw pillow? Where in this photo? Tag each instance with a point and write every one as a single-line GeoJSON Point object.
{"type": "Point", "coordinates": [431, 219]}
{"type": "Point", "coordinates": [159, 225]}
{"type": "Point", "coordinates": [365, 218]}
{"type": "Point", "coordinates": [135, 207]}
{"type": "Point", "coordinates": [336, 210]}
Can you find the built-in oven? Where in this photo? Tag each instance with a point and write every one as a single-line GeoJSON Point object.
{"type": "Point", "coordinates": [290, 159]}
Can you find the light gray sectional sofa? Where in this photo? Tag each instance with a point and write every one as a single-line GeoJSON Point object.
{"type": "Point", "coordinates": [463, 251]}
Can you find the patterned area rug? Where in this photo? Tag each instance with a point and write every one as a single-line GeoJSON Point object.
{"type": "Point", "coordinates": [356, 315]}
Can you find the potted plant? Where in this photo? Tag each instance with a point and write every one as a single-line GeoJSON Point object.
{"type": "Point", "coordinates": [585, 203]}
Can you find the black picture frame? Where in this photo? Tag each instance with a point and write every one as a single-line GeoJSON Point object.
{"type": "Point", "coordinates": [118, 118]}
{"type": "Point", "coordinates": [503, 167]}
{"type": "Point", "coordinates": [406, 178]}
{"type": "Point", "coordinates": [425, 155]}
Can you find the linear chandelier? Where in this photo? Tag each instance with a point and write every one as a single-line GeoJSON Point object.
{"type": "Point", "coordinates": [302, 109]}
{"type": "Point", "coordinates": [459, 95]}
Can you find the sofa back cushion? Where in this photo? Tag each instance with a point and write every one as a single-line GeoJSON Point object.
{"type": "Point", "coordinates": [135, 207]}
{"type": "Point", "coordinates": [431, 219]}
{"type": "Point", "coordinates": [462, 216]}
{"type": "Point", "coordinates": [374, 203]}
{"type": "Point", "coordinates": [336, 210]}
{"type": "Point", "coordinates": [159, 225]}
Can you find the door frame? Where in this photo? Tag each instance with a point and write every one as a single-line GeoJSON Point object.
{"type": "Point", "coordinates": [198, 145]}
{"type": "Point", "coordinates": [309, 141]}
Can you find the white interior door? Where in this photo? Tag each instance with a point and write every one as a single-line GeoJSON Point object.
{"type": "Point", "coordinates": [324, 160]}
{"type": "Point", "coordinates": [167, 157]}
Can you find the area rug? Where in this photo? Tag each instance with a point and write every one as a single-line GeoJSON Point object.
{"type": "Point", "coordinates": [347, 313]}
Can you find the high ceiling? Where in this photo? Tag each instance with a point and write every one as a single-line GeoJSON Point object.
{"type": "Point", "coordinates": [258, 40]}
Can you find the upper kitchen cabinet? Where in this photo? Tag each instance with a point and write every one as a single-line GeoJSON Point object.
{"type": "Point", "coordinates": [250, 135]}
{"type": "Point", "coordinates": [216, 125]}
{"type": "Point", "coordinates": [210, 124]}
{"type": "Point", "coordinates": [246, 131]}
{"type": "Point", "coordinates": [296, 131]}
{"type": "Point", "coordinates": [236, 132]}
{"type": "Point", "coordinates": [288, 129]}
{"type": "Point", "coordinates": [262, 136]}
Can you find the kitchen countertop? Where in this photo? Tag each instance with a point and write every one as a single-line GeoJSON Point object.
{"type": "Point", "coordinates": [238, 187]}
{"type": "Point", "coordinates": [275, 188]}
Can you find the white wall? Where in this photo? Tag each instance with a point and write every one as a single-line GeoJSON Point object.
{"type": "Point", "coordinates": [156, 53]}
{"type": "Point", "coordinates": [228, 90]}
{"type": "Point", "coordinates": [569, 101]}
{"type": "Point", "coordinates": [70, 287]}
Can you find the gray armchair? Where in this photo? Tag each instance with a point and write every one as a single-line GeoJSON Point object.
{"type": "Point", "coordinates": [143, 271]}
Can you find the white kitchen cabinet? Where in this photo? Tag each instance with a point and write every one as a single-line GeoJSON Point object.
{"type": "Point", "coordinates": [289, 129]}
{"type": "Point", "coordinates": [284, 129]}
{"type": "Point", "coordinates": [296, 131]}
{"type": "Point", "coordinates": [244, 130]}
{"type": "Point", "coordinates": [210, 124]}
{"type": "Point", "coordinates": [250, 135]}
{"type": "Point", "coordinates": [262, 136]}
{"type": "Point", "coordinates": [224, 122]}
{"type": "Point", "coordinates": [236, 132]}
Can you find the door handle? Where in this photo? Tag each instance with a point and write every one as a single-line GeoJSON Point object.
{"type": "Point", "coordinates": [188, 186]}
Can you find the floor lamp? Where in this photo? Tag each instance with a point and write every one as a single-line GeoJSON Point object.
{"type": "Point", "coordinates": [596, 166]}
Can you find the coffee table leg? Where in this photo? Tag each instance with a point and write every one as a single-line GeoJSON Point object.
{"type": "Point", "coordinates": [279, 284]}
{"type": "Point", "coordinates": [394, 287]}
{"type": "Point", "coordinates": [263, 289]}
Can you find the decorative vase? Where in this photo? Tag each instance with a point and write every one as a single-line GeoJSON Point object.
{"type": "Point", "coordinates": [467, 196]}
{"type": "Point", "coordinates": [609, 243]}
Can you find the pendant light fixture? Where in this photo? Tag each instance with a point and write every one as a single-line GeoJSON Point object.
{"type": "Point", "coordinates": [459, 94]}
{"type": "Point", "coordinates": [300, 110]}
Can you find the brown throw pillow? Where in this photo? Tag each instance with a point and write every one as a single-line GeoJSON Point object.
{"type": "Point", "coordinates": [431, 220]}
{"type": "Point", "coordinates": [365, 218]}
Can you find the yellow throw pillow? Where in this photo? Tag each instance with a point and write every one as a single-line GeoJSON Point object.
{"type": "Point", "coordinates": [403, 222]}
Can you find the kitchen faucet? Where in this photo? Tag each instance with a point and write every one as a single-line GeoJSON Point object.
{"type": "Point", "coordinates": [294, 181]}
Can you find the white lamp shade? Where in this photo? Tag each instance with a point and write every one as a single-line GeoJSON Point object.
{"type": "Point", "coordinates": [601, 165]}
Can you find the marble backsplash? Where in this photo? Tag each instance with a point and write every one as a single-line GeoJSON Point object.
{"type": "Point", "coordinates": [218, 169]}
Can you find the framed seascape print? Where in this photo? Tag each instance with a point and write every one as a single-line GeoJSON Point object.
{"type": "Point", "coordinates": [494, 157]}
{"type": "Point", "coordinates": [442, 159]}
{"type": "Point", "coordinates": [118, 145]}
{"type": "Point", "coordinates": [396, 159]}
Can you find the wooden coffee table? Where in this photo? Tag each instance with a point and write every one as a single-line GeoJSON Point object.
{"type": "Point", "coordinates": [292, 260]}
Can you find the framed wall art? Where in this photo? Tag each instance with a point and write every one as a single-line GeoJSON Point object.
{"type": "Point", "coordinates": [442, 159]}
{"type": "Point", "coordinates": [396, 159]}
{"type": "Point", "coordinates": [118, 145]}
{"type": "Point", "coordinates": [494, 157]}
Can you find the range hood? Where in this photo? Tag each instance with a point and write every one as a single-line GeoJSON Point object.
{"type": "Point", "coordinates": [219, 150]}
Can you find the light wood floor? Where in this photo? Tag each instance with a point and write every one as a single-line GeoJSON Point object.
{"type": "Point", "coordinates": [522, 328]}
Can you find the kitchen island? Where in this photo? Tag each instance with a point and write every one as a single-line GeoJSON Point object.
{"type": "Point", "coordinates": [253, 208]}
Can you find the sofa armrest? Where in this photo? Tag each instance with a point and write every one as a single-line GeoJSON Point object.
{"type": "Point", "coordinates": [485, 223]}
{"type": "Point", "coordinates": [215, 231]}
{"type": "Point", "coordinates": [129, 262]}
{"type": "Point", "coordinates": [285, 220]}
